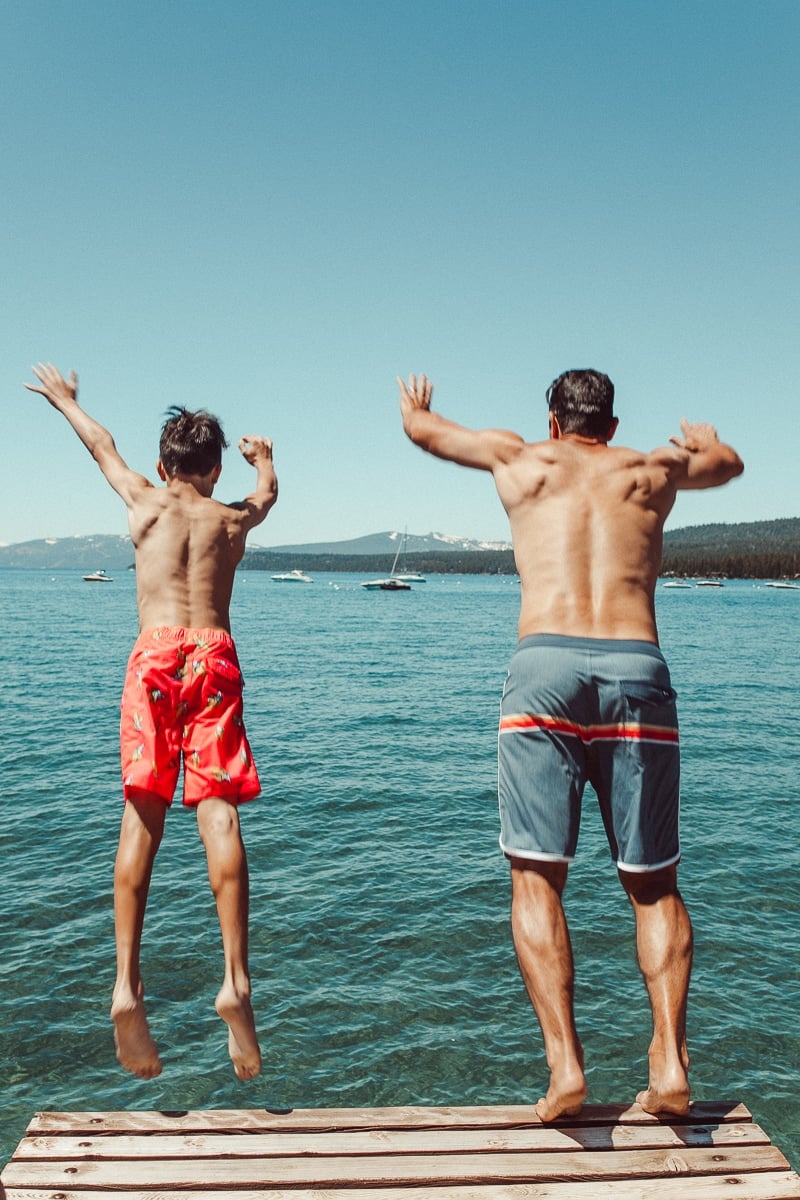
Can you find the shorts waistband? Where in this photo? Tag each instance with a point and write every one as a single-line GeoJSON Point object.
{"type": "Point", "coordinates": [596, 645]}
{"type": "Point", "coordinates": [176, 633]}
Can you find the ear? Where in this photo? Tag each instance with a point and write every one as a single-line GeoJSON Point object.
{"type": "Point", "coordinates": [612, 429]}
{"type": "Point", "coordinates": [555, 428]}
{"type": "Point", "coordinates": [215, 474]}
{"type": "Point", "coordinates": [162, 474]}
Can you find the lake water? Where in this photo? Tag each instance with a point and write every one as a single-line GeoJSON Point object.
{"type": "Point", "coordinates": [381, 956]}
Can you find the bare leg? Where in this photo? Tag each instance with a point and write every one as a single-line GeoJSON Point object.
{"type": "Point", "coordinates": [664, 947]}
{"type": "Point", "coordinates": [218, 824]}
{"type": "Point", "coordinates": [544, 954]}
{"type": "Point", "coordinates": [139, 839]}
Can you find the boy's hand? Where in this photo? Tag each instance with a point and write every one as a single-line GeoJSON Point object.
{"type": "Point", "coordinates": [254, 447]}
{"type": "Point", "coordinates": [55, 387]}
{"type": "Point", "coordinates": [696, 436]}
{"type": "Point", "coordinates": [415, 395]}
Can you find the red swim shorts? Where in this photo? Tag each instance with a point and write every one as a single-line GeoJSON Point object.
{"type": "Point", "coordinates": [182, 700]}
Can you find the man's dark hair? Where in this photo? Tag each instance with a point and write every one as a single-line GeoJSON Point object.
{"type": "Point", "coordinates": [191, 442]}
{"type": "Point", "coordinates": [582, 402]}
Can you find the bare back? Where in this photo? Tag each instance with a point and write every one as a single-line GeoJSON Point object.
{"type": "Point", "coordinates": [187, 548]}
{"type": "Point", "coordinates": [586, 522]}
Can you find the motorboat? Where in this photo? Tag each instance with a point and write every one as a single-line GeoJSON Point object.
{"type": "Point", "coordinates": [785, 586]}
{"type": "Point", "coordinates": [676, 583]}
{"type": "Point", "coordinates": [391, 584]}
{"type": "Point", "coordinates": [98, 577]}
{"type": "Point", "coordinates": [295, 576]}
{"type": "Point", "coordinates": [709, 583]}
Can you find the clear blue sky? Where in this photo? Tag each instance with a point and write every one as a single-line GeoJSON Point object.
{"type": "Point", "coordinates": [273, 207]}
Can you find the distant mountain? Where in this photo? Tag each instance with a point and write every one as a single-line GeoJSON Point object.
{"type": "Point", "coordinates": [387, 543]}
{"type": "Point", "coordinates": [111, 552]}
{"type": "Point", "coordinates": [116, 552]}
{"type": "Point", "coordinates": [755, 549]}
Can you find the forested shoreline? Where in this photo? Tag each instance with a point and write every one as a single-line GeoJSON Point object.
{"type": "Point", "coordinates": [754, 550]}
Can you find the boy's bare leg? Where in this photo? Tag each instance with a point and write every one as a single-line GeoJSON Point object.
{"type": "Point", "coordinates": [218, 825]}
{"type": "Point", "coordinates": [544, 954]}
{"type": "Point", "coordinates": [139, 839]}
{"type": "Point", "coordinates": [664, 947]}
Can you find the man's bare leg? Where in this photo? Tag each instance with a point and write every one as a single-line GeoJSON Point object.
{"type": "Point", "coordinates": [218, 824]}
{"type": "Point", "coordinates": [664, 947]}
{"type": "Point", "coordinates": [139, 839]}
{"type": "Point", "coordinates": [544, 954]}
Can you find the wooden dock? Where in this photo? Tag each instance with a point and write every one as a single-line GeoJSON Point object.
{"type": "Point", "coordinates": [411, 1153]}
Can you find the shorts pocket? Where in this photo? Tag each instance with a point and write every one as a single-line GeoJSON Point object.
{"type": "Point", "coordinates": [649, 704]}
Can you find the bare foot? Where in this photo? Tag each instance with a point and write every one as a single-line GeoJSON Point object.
{"type": "Point", "coordinates": [674, 1103]}
{"type": "Point", "coordinates": [558, 1102]}
{"type": "Point", "coordinates": [136, 1049]}
{"type": "Point", "coordinates": [237, 1013]}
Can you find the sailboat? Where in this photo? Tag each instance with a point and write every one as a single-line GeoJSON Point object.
{"type": "Point", "coordinates": [393, 582]}
{"type": "Point", "coordinates": [404, 574]}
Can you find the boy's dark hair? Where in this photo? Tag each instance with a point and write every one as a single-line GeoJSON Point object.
{"type": "Point", "coordinates": [191, 442]}
{"type": "Point", "coordinates": [582, 402]}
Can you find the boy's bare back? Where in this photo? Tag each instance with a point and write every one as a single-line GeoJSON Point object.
{"type": "Point", "coordinates": [187, 545]}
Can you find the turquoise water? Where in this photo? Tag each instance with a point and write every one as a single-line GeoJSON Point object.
{"type": "Point", "coordinates": [380, 949]}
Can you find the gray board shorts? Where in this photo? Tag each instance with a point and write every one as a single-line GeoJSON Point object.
{"type": "Point", "coordinates": [577, 709]}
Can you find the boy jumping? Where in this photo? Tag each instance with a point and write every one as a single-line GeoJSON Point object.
{"type": "Point", "coordinates": [182, 698]}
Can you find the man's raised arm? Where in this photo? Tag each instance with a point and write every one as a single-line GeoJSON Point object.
{"type": "Point", "coordinates": [62, 394]}
{"type": "Point", "coordinates": [483, 449]}
{"type": "Point", "coordinates": [258, 452]}
{"type": "Point", "coordinates": [708, 462]}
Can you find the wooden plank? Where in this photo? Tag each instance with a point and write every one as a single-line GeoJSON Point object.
{"type": "Point", "coordinates": [413, 1169]}
{"type": "Point", "coordinates": [767, 1186]}
{"type": "Point", "coordinates": [761, 1186]}
{"type": "Point", "coordinates": [405, 1117]}
{"type": "Point", "coordinates": [535, 1139]}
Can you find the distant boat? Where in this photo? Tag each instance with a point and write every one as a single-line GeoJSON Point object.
{"type": "Point", "coordinates": [709, 583]}
{"type": "Point", "coordinates": [677, 583]}
{"type": "Point", "coordinates": [98, 577]}
{"type": "Point", "coordinates": [295, 576]}
{"type": "Point", "coordinates": [393, 583]}
{"type": "Point", "coordinates": [785, 586]}
{"type": "Point", "coordinates": [404, 574]}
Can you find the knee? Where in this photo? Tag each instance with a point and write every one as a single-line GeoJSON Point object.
{"type": "Point", "coordinates": [217, 821]}
{"type": "Point", "coordinates": [649, 887]}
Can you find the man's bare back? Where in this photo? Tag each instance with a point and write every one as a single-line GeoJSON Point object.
{"type": "Point", "coordinates": [586, 518]}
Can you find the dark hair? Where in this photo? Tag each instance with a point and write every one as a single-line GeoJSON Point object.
{"type": "Point", "coordinates": [582, 402]}
{"type": "Point", "coordinates": [191, 442]}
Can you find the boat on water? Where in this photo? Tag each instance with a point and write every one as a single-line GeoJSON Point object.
{"type": "Point", "coordinates": [393, 582]}
{"type": "Point", "coordinates": [295, 576]}
{"type": "Point", "coordinates": [677, 583]}
{"type": "Point", "coordinates": [709, 583]}
{"type": "Point", "coordinates": [784, 585]}
{"type": "Point", "coordinates": [98, 577]}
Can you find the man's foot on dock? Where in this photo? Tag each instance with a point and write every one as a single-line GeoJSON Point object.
{"type": "Point", "coordinates": [673, 1104]}
{"type": "Point", "coordinates": [556, 1103]}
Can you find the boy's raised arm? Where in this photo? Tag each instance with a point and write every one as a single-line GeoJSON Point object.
{"type": "Point", "coordinates": [484, 449]}
{"type": "Point", "coordinates": [258, 452]}
{"type": "Point", "coordinates": [62, 394]}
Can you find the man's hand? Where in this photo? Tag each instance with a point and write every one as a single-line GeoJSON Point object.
{"type": "Point", "coordinates": [416, 395]}
{"type": "Point", "coordinates": [55, 387]}
{"type": "Point", "coordinates": [697, 436]}
{"type": "Point", "coordinates": [254, 448]}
